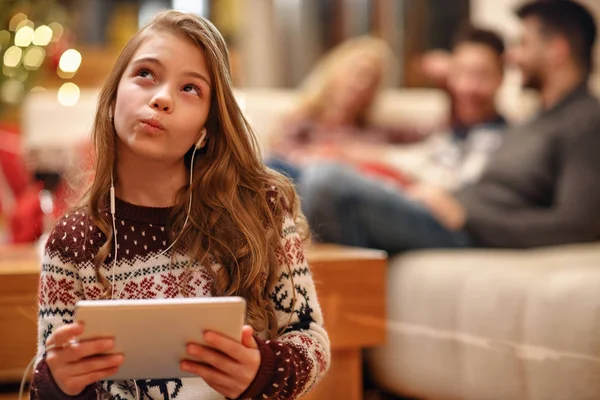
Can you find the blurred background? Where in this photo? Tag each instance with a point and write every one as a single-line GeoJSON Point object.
{"type": "Point", "coordinates": [56, 54]}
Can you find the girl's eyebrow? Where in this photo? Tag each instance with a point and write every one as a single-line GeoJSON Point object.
{"type": "Point", "coordinates": [156, 61]}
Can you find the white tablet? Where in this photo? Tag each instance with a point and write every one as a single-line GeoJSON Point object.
{"type": "Point", "coordinates": [152, 334]}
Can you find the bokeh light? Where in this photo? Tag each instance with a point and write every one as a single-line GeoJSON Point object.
{"type": "Point", "coordinates": [34, 58]}
{"type": "Point", "coordinates": [12, 91]}
{"type": "Point", "coordinates": [64, 75]}
{"type": "Point", "coordinates": [24, 36]}
{"type": "Point", "coordinates": [70, 61]}
{"type": "Point", "coordinates": [9, 71]}
{"type": "Point", "coordinates": [25, 23]}
{"type": "Point", "coordinates": [42, 36]}
{"type": "Point", "coordinates": [16, 20]}
{"type": "Point", "coordinates": [12, 56]}
{"type": "Point", "coordinates": [4, 38]}
{"type": "Point", "coordinates": [57, 31]}
{"type": "Point", "coordinates": [68, 94]}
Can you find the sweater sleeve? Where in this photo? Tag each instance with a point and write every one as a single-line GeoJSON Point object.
{"type": "Point", "coordinates": [567, 220]}
{"type": "Point", "coordinates": [44, 387]}
{"type": "Point", "coordinates": [59, 289]}
{"type": "Point", "coordinates": [294, 363]}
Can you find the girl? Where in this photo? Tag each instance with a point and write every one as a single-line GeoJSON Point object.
{"type": "Point", "coordinates": [168, 130]}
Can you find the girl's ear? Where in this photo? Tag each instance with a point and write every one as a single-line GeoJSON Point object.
{"type": "Point", "coordinates": [201, 141]}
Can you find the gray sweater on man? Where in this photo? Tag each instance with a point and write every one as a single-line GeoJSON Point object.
{"type": "Point", "coordinates": [542, 187]}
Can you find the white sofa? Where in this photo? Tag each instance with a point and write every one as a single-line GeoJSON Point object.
{"type": "Point", "coordinates": [493, 325]}
{"type": "Point", "coordinates": [462, 325]}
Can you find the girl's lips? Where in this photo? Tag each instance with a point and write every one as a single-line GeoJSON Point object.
{"type": "Point", "coordinates": [154, 123]}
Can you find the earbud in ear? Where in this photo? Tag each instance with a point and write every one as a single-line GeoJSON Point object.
{"type": "Point", "coordinates": [200, 141]}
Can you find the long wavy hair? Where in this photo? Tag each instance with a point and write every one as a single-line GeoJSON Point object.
{"type": "Point", "coordinates": [238, 225]}
{"type": "Point", "coordinates": [315, 89]}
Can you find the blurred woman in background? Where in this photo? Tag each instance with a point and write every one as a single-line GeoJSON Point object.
{"type": "Point", "coordinates": [332, 119]}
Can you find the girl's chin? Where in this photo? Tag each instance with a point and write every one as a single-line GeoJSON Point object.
{"type": "Point", "coordinates": [151, 151]}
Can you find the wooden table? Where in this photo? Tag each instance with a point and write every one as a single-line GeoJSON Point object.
{"type": "Point", "coordinates": [19, 274]}
{"type": "Point", "coordinates": [350, 285]}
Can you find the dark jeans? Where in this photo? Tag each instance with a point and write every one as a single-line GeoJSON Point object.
{"type": "Point", "coordinates": [345, 207]}
{"type": "Point", "coordinates": [291, 171]}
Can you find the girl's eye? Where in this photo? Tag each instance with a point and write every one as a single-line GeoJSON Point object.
{"type": "Point", "coordinates": [145, 73]}
{"type": "Point", "coordinates": [192, 89]}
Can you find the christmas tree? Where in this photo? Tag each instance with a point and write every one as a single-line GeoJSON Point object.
{"type": "Point", "coordinates": [34, 41]}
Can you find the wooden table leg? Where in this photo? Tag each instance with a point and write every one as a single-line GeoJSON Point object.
{"type": "Point", "coordinates": [344, 379]}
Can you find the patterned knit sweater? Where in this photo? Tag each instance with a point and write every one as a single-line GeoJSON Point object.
{"type": "Point", "coordinates": [290, 366]}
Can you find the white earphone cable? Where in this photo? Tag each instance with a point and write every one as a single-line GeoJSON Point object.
{"type": "Point", "coordinates": [133, 273]}
{"type": "Point", "coordinates": [113, 208]}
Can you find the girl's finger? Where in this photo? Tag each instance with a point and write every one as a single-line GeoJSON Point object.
{"type": "Point", "coordinates": [228, 346]}
{"type": "Point", "coordinates": [94, 364]}
{"type": "Point", "coordinates": [213, 358]}
{"type": "Point", "coordinates": [248, 337]}
{"type": "Point", "coordinates": [63, 334]}
{"type": "Point", "coordinates": [209, 374]}
{"type": "Point", "coordinates": [88, 348]}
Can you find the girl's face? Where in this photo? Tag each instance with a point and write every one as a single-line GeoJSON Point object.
{"type": "Point", "coordinates": [163, 98]}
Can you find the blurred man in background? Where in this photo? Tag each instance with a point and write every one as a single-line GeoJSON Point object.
{"type": "Point", "coordinates": [541, 188]}
{"type": "Point", "coordinates": [455, 155]}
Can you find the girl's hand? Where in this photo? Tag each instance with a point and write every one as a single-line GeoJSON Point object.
{"type": "Point", "coordinates": [79, 364]}
{"type": "Point", "coordinates": [227, 366]}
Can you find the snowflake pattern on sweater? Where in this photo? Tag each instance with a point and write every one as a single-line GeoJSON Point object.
{"type": "Point", "coordinates": [290, 365]}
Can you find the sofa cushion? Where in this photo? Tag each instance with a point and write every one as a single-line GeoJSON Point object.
{"type": "Point", "coordinates": [481, 324]}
